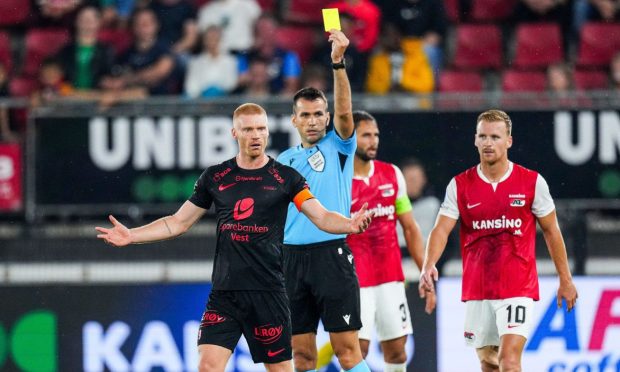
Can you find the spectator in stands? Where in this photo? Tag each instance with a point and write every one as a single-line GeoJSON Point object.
{"type": "Point", "coordinates": [54, 86]}
{"type": "Point", "coordinates": [57, 12]}
{"type": "Point", "coordinates": [214, 72]}
{"type": "Point", "coordinates": [356, 61]}
{"type": "Point", "coordinates": [420, 19]}
{"type": "Point", "coordinates": [614, 70]}
{"type": "Point", "coordinates": [367, 18]}
{"type": "Point", "coordinates": [603, 10]}
{"type": "Point", "coordinates": [559, 79]}
{"type": "Point", "coordinates": [116, 13]}
{"type": "Point", "coordinates": [284, 66]}
{"type": "Point", "coordinates": [52, 83]}
{"type": "Point", "coordinates": [235, 17]}
{"type": "Point", "coordinates": [399, 65]}
{"type": "Point", "coordinates": [148, 63]}
{"type": "Point", "coordinates": [425, 203]}
{"type": "Point", "coordinates": [6, 134]}
{"type": "Point", "coordinates": [257, 79]}
{"type": "Point", "coordinates": [4, 80]}
{"type": "Point", "coordinates": [315, 76]}
{"type": "Point", "coordinates": [558, 11]}
{"type": "Point", "coordinates": [178, 29]}
{"type": "Point", "coordinates": [85, 61]}
{"type": "Point", "coordinates": [561, 88]}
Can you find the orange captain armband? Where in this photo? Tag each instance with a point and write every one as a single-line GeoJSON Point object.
{"type": "Point", "coordinates": [301, 197]}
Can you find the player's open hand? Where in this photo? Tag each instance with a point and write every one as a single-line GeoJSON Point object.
{"type": "Point", "coordinates": [118, 235]}
{"type": "Point", "coordinates": [339, 44]}
{"type": "Point", "coordinates": [430, 298]}
{"type": "Point", "coordinates": [361, 219]}
{"type": "Point", "coordinates": [568, 292]}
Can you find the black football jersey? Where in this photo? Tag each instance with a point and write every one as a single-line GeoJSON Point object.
{"type": "Point", "coordinates": [251, 207]}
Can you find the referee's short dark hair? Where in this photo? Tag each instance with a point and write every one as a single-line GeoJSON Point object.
{"type": "Point", "coordinates": [360, 115]}
{"type": "Point", "coordinates": [309, 94]}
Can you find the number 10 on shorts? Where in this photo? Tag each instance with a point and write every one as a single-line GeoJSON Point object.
{"type": "Point", "coordinates": [518, 314]}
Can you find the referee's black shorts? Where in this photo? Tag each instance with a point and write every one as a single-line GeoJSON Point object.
{"type": "Point", "coordinates": [321, 283]}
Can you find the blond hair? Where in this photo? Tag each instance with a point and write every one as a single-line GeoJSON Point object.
{"type": "Point", "coordinates": [249, 109]}
{"type": "Point", "coordinates": [496, 115]}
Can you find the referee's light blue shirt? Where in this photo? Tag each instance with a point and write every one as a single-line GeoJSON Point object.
{"type": "Point", "coordinates": [330, 184]}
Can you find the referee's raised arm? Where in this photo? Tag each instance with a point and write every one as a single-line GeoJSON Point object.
{"type": "Point", "coordinates": [343, 108]}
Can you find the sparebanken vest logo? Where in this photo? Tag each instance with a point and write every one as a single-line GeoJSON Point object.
{"type": "Point", "coordinates": [243, 209]}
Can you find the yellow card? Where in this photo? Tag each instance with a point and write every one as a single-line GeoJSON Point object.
{"type": "Point", "coordinates": [331, 19]}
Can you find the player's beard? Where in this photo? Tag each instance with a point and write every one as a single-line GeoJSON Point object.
{"type": "Point", "coordinates": [364, 155]}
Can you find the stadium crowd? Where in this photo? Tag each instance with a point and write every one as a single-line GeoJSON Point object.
{"type": "Point", "coordinates": [114, 50]}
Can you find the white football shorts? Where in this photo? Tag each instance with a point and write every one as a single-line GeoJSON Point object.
{"type": "Point", "coordinates": [385, 307]}
{"type": "Point", "coordinates": [487, 320]}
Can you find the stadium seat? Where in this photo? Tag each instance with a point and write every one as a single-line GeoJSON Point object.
{"type": "Point", "coordinates": [119, 39]}
{"type": "Point", "coordinates": [453, 10]}
{"type": "Point", "coordinates": [40, 44]}
{"type": "Point", "coordinates": [538, 45]}
{"type": "Point", "coordinates": [299, 39]}
{"type": "Point", "coordinates": [598, 43]}
{"type": "Point", "coordinates": [478, 47]}
{"type": "Point", "coordinates": [491, 10]}
{"type": "Point", "coordinates": [267, 5]}
{"type": "Point", "coordinates": [14, 12]}
{"type": "Point", "coordinates": [22, 86]}
{"type": "Point", "coordinates": [200, 3]}
{"type": "Point", "coordinates": [305, 11]}
{"type": "Point", "coordinates": [460, 81]}
{"type": "Point", "coordinates": [523, 81]}
{"type": "Point", "coordinates": [5, 52]}
{"type": "Point", "coordinates": [591, 80]}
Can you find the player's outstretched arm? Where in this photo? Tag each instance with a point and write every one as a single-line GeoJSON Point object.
{"type": "Point", "coordinates": [437, 241]}
{"type": "Point", "coordinates": [557, 251]}
{"type": "Point", "coordinates": [164, 228]}
{"type": "Point", "coordinates": [334, 222]}
{"type": "Point", "coordinates": [343, 108]}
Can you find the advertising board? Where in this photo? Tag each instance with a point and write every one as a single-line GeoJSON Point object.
{"type": "Point", "coordinates": [584, 340]}
{"type": "Point", "coordinates": [150, 160]}
{"type": "Point", "coordinates": [137, 328]}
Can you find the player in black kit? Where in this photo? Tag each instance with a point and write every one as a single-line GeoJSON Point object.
{"type": "Point", "coordinates": [251, 193]}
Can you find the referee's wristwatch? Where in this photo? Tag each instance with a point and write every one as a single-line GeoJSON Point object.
{"type": "Point", "coordinates": [339, 65]}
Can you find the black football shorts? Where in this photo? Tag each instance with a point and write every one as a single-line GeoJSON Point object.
{"type": "Point", "coordinates": [263, 317]}
{"type": "Point", "coordinates": [321, 283]}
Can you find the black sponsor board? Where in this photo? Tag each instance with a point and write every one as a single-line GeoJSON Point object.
{"type": "Point", "coordinates": [152, 160]}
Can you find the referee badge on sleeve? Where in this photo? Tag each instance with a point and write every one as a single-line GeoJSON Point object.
{"type": "Point", "coordinates": [317, 161]}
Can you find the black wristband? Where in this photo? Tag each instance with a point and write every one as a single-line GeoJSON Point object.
{"type": "Point", "coordinates": [339, 65]}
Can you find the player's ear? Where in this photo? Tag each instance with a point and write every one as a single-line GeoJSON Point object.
{"type": "Point", "coordinates": [294, 120]}
{"type": "Point", "coordinates": [233, 132]}
{"type": "Point", "coordinates": [327, 119]}
{"type": "Point", "coordinates": [509, 141]}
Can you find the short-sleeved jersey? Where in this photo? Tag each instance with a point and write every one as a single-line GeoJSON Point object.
{"type": "Point", "coordinates": [498, 231]}
{"type": "Point", "coordinates": [328, 168]}
{"type": "Point", "coordinates": [376, 250]}
{"type": "Point", "coordinates": [250, 205]}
